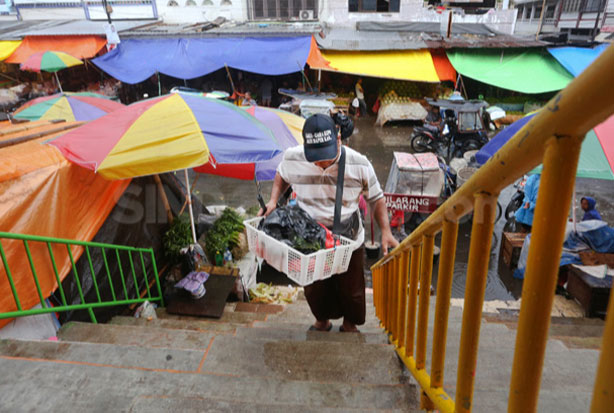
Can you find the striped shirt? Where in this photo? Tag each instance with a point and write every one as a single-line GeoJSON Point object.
{"type": "Point", "coordinates": [316, 188]}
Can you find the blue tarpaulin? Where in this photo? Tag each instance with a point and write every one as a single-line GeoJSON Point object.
{"type": "Point", "coordinates": [134, 60]}
{"type": "Point", "coordinates": [576, 59]}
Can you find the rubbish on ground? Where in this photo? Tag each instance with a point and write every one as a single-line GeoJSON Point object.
{"type": "Point", "coordinates": [146, 310]}
{"type": "Point", "coordinates": [272, 294]}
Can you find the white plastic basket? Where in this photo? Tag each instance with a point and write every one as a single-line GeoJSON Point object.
{"type": "Point", "coordinates": [301, 268]}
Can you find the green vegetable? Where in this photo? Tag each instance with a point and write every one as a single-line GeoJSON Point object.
{"type": "Point", "coordinates": [224, 234]}
{"type": "Point", "coordinates": [178, 236]}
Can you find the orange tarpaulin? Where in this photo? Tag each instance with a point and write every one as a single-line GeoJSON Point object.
{"type": "Point", "coordinates": [77, 46]}
{"type": "Point", "coordinates": [41, 193]}
{"type": "Point", "coordinates": [315, 60]}
{"type": "Point", "coordinates": [444, 68]}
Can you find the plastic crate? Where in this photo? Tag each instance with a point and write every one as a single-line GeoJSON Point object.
{"type": "Point", "coordinates": [301, 268]}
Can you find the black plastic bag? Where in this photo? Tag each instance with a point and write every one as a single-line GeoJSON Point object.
{"type": "Point", "coordinates": [296, 228]}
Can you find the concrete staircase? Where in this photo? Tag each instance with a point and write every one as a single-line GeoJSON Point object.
{"type": "Point", "coordinates": [246, 361]}
{"type": "Point", "coordinates": [262, 358]}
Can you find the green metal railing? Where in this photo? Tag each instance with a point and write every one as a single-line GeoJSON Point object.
{"type": "Point", "coordinates": [143, 254]}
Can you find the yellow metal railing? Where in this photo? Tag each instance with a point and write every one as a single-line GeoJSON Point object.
{"type": "Point", "coordinates": [402, 279]}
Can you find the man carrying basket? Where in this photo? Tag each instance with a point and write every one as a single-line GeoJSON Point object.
{"type": "Point", "coordinates": [313, 172]}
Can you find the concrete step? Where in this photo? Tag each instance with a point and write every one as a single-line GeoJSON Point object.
{"type": "Point", "coordinates": [105, 354]}
{"type": "Point", "coordinates": [200, 404]}
{"type": "Point", "coordinates": [27, 385]}
{"type": "Point", "coordinates": [305, 361]}
{"type": "Point", "coordinates": [135, 336]}
{"type": "Point", "coordinates": [196, 325]}
{"type": "Point", "coordinates": [267, 333]}
{"type": "Point", "coordinates": [228, 317]}
{"type": "Point", "coordinates": [303, 326]}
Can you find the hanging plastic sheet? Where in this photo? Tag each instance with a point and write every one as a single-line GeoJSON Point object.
{"type": "Point", "coordinates": [416, 65]}
{"type": "Point", "coordinates": [576, 59]}
{"type": "Point", "coordinates": [445, 70]}
{"type": "Point", "coordinates": [7, 47]}
{"type": "Point", "coordinates": [526, 71]}
{"type": "Point", "coordinates": [41, 193]}
{"type": "Point", "coordinates": [134, 60]}
{"type": "Point", "coordinates": [81, 47]}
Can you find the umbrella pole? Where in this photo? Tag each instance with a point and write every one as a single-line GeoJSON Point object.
{"type": "Point", "coordinates": [58, 80]}
{"type": "Point", "coordinates": [189, 194]}
{"type": "Point", "coordinates": [573, 209]}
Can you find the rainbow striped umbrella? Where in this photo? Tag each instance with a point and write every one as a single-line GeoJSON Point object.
{"type": "Point", "coordinates": [82, 106]}
{"type": "Point", "coordinates": [50, 62]}
{"type": "Point", "coordinates": [165, 134]}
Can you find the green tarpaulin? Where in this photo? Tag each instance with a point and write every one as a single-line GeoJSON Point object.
{"type": "Point", "coordinates": [526, 71]}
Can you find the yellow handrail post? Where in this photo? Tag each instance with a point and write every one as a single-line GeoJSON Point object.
{"type": "Point", "coordinates": [395, 300]}
{"type": "Point", "coordinates": [404, 269]}
{"type": "Point", "coordinates": [389, 291]}
{"type": "Point", "coordinates": [386, 296]}
{"type": "Point", "coordinates": [423, 309]}
{"type": "Point", "coordinates": [603, 395]}
{"type": "Point", "coordinates": [477, 271]}
{"type": "Point", "coordinates": [548, 234]}
{"type": "Point", "coordinates": [442, 304]}
{"type": "Point", "coordinates": [412, 297]}
{"type": "Point", "coordinates": [375, 281]}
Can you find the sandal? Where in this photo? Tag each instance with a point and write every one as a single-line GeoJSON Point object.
{"type": "Point", "coordinates": [314, 328]}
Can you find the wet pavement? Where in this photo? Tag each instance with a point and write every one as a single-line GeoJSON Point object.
{"type": "Point", "coordinates": [378, 144]}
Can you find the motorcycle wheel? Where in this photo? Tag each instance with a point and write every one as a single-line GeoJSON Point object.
{"type": "Point", "coordinates": [420, 143]}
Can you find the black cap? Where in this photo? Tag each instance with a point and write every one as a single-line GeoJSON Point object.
{"type": "Point", "coordinates": [320, 135]}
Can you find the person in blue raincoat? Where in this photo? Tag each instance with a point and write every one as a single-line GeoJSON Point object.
{"type": "Point", "coordinates": [588, 205]}
{"type": "Point", "coordinates": [524, 214]}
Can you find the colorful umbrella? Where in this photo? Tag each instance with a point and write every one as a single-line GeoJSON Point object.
{"type": "Point", "coordinates": [287, 129]}
{"type": "Point", "coordinates": [83, 106]}
{"type": "Point", "coordinates": [50, 62]}
{"type": "Point", "coordinates": [596, 157]}
{"type": "Point", "coordinates": [165, 134]}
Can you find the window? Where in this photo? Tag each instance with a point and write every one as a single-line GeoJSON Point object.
{"type": "Point", "coordinates": [570, 6]}
{"type": "Point", "coordinates": [550, 9]}
{"type": "Point", "coordinates": [282, 9]}
{"type": "Point", "coordinates": [520, 12]}
{"type": "Point", "coordinates": [593, 6]}
{"type": "Point", "coordinates": [538, 12]}
{"type": "Point", "coordinates": [527, 13]}
{"type": "Point", "coordinates": [374, 6]}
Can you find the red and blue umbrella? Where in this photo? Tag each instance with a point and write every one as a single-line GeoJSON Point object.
{"type": "Point", "coordinates": [285, 126]}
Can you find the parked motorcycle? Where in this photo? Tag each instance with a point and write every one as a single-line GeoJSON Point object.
{"type": "Point", "coordinates": [464, 129]}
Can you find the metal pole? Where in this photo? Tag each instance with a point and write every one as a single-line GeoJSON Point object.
{"type": "Point", "coordinates": [442, 305]}
{"type": "Point", "coordinates": [477, 271]}
{"type": "Point", "coordinates": [410, 330]}
{"type": "Point", "coordinates": [548, 234]}
{"type": "Point", "coordinates": [404, 271]}
{"type": "Point", "coordinates": [189, 195]}
{"type": "Point", "coordinates": [58, 80]}
{"type": "Point", "coordinates": [423, 309]}
{"type": "Point", "coordinates": [603, 395]}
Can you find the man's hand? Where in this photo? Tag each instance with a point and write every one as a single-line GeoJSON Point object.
{"type": "Point", "coordinates": [388, 241]}
{"type": "Point", "coordinates": [270, 206]}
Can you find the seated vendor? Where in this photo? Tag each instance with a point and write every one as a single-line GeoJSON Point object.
{"type": "Point", "coordinates": [433, 119]}
{"type": "Point", "coordinates": [588, 205]}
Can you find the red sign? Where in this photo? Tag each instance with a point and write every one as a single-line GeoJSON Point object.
{"type": "Point", "coordinates": [411, 203]}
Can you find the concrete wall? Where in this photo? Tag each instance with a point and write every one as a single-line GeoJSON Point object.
{"type": "Point", "coordinates": [74, 10]}
{"type": "Point", "coordinates": [204, 10]}
{"type": "Point", "coordinates": [335, 13]}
